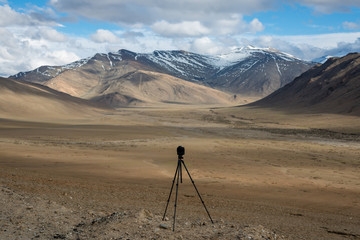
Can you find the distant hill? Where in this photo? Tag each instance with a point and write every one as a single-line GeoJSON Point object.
{"type": "Point", "coordinates": [127, 78]}
{"type": "Point", "coordinates": [34, 101]}
{"type": "Point", "coordinates": [331, 87]}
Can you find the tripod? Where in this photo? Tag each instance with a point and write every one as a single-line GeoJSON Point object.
{"type": "Point", "coordinates": [178, 175]}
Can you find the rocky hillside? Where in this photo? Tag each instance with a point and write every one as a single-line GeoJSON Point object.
{"type": "Point", "coordinates": [126, 77]}
{"type": "Point", "coordinates": [331, 87]}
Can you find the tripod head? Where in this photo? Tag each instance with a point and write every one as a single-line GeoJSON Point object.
{"type": "Point", "coordinates": [180, 152]}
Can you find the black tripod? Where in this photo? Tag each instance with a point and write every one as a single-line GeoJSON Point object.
{"type": "Point", "coordinates": [178, 174]}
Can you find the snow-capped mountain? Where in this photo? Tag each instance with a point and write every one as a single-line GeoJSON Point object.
{"type": "Point", "coordinates": [247, 71]}
{"type": "Point", "coordinates": [257, 71]}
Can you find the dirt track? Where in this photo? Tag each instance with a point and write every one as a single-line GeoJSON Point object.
{"type": "Point", "coordinates": [110, 178]}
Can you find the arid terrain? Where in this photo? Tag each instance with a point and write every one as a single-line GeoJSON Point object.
{"type": "Point", "coordinates": [263, 174]}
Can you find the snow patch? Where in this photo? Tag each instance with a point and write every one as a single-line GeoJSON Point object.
{"type": "Point", "coordinates": [111, 63]}
{"type": "Point", "coordinates": [76, 64]}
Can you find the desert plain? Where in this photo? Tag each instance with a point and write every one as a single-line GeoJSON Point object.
{"type": "Point", "coordinates": [263, 174]}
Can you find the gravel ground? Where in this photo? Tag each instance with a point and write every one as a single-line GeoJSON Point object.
{"type": "Point", "coordinates": [30, 217]}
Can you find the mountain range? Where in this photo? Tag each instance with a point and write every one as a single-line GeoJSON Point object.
{"type": "Point", "coordinates": [330, 87]}
{"type": "Point", "coordinates": [126, 78]}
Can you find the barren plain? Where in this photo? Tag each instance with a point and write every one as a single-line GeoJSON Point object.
{"type": "Point", "coordinates": [263, 174]}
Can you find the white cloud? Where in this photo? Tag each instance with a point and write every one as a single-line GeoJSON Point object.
{"type": "Point", "coordinates": [344, 48]}
{"type": "Point", "coordinates": [324, 41]}
{"type": "Point", "coordinates": [235, 24]}
{"type": "Point", "coordinates": [351, 25]}
{"type": "Point", "coordinates": [46, 33]}
{"type": "Point", "coordinates": [105, 36]}
{"type": "Point", "coordinates": [205, 45]}
{"type": "Point", "coordinates": [232, 25]}
{"type": "Point", "coordinates": [28, 40]}
{"type": "Point", "coordinates": [182, 29]}
{"type": "Point", "coordinates": [256, 26]}
{"type": "Point", "coordinates": [173, 18]}
{"type": "Point", "coordinates": [52, 35]}
{"type": "Point", "coordinates": [9, 17]}
{"type": "Point", "coordinates": [20, 53]}
{"type": "Point", "coordinates": [229, 25]}
{"type": "Point", "coordinates": [56, 58]}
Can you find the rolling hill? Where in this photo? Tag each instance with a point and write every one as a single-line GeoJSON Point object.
{"type": "Point", "coordinates": [33, 101]}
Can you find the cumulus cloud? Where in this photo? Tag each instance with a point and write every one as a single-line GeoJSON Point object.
{"type": "Point", "coordinates": [233, 25]}
{"type": "Point", "coordinates": [256, 26]}
{"type": "Point", "coordinates": [57, 57]}
{"type": "Point", "coordinates": [52, 35]}
{"type": "Point", "coordinates": [172, 18]}
{"type": "Point", "coordinates": [229, 25]}
{"type": "Point", "coordinates": [45, 33]}
{"type": "Point", "coordinates": [104, 36]}
{"type": "Point", "coordinates": [182, 29]}
{"type": "Point", "coordinates": [10, 17]}
{"type": "Point", "coordinates": [21, 53]}
{"type": "Point", "coordinates": [344, 48]}
{"type": "Point", "coordinates": [28, 40]}
{"type": "Point", "coordinates": [205, 45]}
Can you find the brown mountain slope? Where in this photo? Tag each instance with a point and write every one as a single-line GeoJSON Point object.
{"type": "Point", "coordinates": [136, 87]}
{"type": "Point", "coordinates": [332, 87]}
{"type": "Point", "coordinates": [20, 100]}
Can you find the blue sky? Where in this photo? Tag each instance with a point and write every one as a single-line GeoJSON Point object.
{"type": "Point", "coordinates": [56, 32]}
{"type": "Point", "coordinates": [302, 20]}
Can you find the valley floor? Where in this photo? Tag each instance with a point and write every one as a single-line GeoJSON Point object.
{"type": "Point", "coordinates": [262, 174]}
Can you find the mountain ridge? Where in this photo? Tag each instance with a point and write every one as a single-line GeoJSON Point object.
{"type": "Point", "coordinates": [246, 71]}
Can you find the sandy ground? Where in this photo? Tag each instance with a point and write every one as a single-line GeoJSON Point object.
{"type": "Point", "coordinates": [262, 174]}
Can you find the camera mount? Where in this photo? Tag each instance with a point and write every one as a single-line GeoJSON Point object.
{"type": "Point", "coordinates": [180, 152]}
{"type": "Point", "coordinates": [178, 175]}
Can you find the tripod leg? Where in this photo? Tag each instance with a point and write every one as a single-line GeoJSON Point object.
{"type": "Point", "coordinates": [167, 204]}
{"type": "Point", "coordinates": [180, 172]}
{"type": "Point", "coordinates": [177, 188]}
{"type": "Point", "coordinates": [197, 190]}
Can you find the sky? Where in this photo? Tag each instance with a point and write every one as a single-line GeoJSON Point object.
{"type": "Point", "coordinates": [56, 32]}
